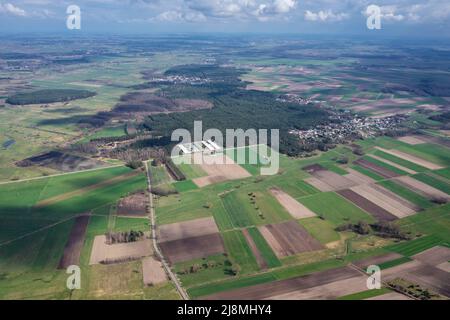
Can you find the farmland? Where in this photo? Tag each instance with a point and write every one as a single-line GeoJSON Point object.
{"type": "Point", "coordinates": [76, 134]}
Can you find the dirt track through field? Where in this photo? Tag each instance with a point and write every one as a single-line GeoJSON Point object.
{"type": "Point", "coordinates": [259, 258]}
{"type": "Point", "coordinates": [74, 245]}
{"type": "Point", "coordinates": [277, 288]}
{"type": "Point", "coordinates": [422, 188]}
{"type": "Point", "coordinates": [295, 208]}
{"type": "Point", "coordinates": [82, 191]}
{"type": "Point", "coordinates": [408, 157]}
{"type": "Point", "coordinates": [376, 211]}
{"type": "Point", "coordinates": [392, 296]}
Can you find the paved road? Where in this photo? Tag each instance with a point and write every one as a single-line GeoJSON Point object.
{"type": "Point", "coordinates": [158, 252]}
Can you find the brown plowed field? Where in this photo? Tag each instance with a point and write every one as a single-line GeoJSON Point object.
{"type": "Point", "coordinates": [192, 248]}
{"type": "Point", "coordinates": [384, 199]}
{"type": "Point", "coordinates": [276, 288]}
{"type": "Point", "coordinates": [292, 239]}
{"type": "Point", "coordinates": [434, 256]}
{"type": "Point", "coordinates": [225, 169]}
{"type": "Point", "coordinates": [328, 291]}
{"type": "Point", "coordinates": [358, 178]}
{"type": "Point", "coordinates": [188, 229]}
{"type": "Point", "coordinates": [116, 253]}
{"type": "Point", "coordinates": [385, 173]}
{"type": "Point", "coordinates": [259, 258]}
{"type": "Point", "coordinates": [319, 185]}
{"type": "Point", "coordinates": [153, 271]}
{"type": "Point", "coordinates": [364, 263]}
{"type": "Point", "coordinates": [295, 208]}
{"type": "Point", "coordinates": [72, 250]}
{"type": "Point", "coordinates": [376, 211]}
{"type": "Point", "coordinates": [412, 140]}
{"type": "Point", "coordinates": [134, 205]}
{"type": "Point", "coordinates": [334, 180]}
{"type": "Point", "coordinates": [390, 297]}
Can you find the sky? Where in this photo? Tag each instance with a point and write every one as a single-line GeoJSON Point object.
{"type": "Point", "coordinates": [398, 17]}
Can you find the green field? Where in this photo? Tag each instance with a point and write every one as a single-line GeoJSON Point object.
{"type": "Point", "coordinates": [264, 248]}
{"type": "Point", "coordinates": [239, 252]}
{"type": "Point", "coordinates": [434, 182]}
{"type": "Point", "coordinates": [407, 194]}
{"type": "Point", "coordinates": [322, 230]}
{"type": "Point", "coordinates": [399, 161]}
{"type": "Point", "coordinates": [184, 186]}
{"type": "Point", "coordinates": [385, 165]}
{"type": "Point", "coordinates": [414, 247]}
{"type": "Point", "coordinates": [335, 209]}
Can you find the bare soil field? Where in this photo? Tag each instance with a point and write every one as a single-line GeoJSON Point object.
{"type": "Point", "coordinates": [188, 229]}
{"type": "Point", "coordinates": [81, 191]}
{"type": "Point", "coordinates": [444, 266]}
{"type": "Point", "coordinates": [295, 208]}
{"type": "Point", "coordinates": [326, 180]}
{"type": "Point", "coordinates": [393, 296]}
{"type": "Point", "coordinates": [319, 185]}
{"type": "Point", "coordinates": [192, 248]}
{"type": "Point", "coordinates": [259, 258]}
{"type": "Point", "coordinates": [385, 173]}
{"type": "Point", "coordinates": [412, 140]}
{"type": "Point", "coordinates": [334, 180]}
{"type": "Point", "coordinates": [434, 256]}
{"type": "Point", "coordinates": [422, 188]}
{"type": "Point", "coordinates": [134, 205]}
{"type": "Point", "coordinates": [425, 275]}
{"type": "Point", "coordinates": [387, 200]}
{"type": "Point", "coordinates": [328, 291]}
{"type": "Point", "coordinates": [226, 169]}
{"type": "Point", "coordinates": [60, 161]}
{"type": "Point", "coordinates": [393, 164]}
{"type": "Point", "coordinates": [358, 178]}
{"type": "Point", "coordinates": [292, 239]}
{"type": "Point", "coordinates": [102, 253]}
{"type": "Point", "coordinates": [370, 207]}
{"type": "Point", "coordinates": [411, 158]}
{"type": "Point", "coordinates": [277, 288]}
{"type": "Point", "coordinates": [72, 250]}
{"type": "Point", "coordinates": [430, 277]}
{"type": "Point", "coordinates": [153, 271]}
{"type": "Point", "coordinates": [364, 263]}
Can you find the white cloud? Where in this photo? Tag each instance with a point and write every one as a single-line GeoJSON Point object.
{"type": "Point", "coordinates": [324, 16]}
{"type": "Point", "coordinates": [9, 8]}
{"type": "Point", "coordinates": [177, 16]}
